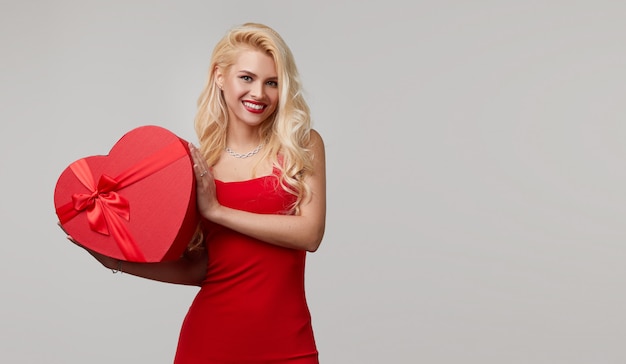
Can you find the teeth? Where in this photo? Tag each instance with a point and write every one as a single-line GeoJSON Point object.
{"type": "Point", "coordinates": [253, 106]}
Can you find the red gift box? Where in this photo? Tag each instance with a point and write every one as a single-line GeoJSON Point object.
{"type": "Point", "coordinates": [138, 203]}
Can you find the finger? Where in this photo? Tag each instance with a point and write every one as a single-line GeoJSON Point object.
{"type": "Point", "coordinates": [61, 226]}
{"type": "Point", "coordinates": [199, 170]}
{"type": "Point", "coordinates": [200, 161]}
{"type": "Point", "coordinates": [200, 166]}
{"type": "Point", "coordinates": [70, 238]}
{"type": "Point", "coordinates": [194, 154]}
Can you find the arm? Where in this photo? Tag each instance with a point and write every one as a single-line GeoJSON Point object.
{"type": "Point", "coordinates": [303, 231]}
{"type": "Point", "coordinates": [190, 269]}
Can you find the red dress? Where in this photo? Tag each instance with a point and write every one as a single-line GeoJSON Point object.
{"type": "Point", "coordinates": [251, 307]}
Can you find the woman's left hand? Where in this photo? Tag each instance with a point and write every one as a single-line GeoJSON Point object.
{"type": "Point", "coordinates": [205, 185]}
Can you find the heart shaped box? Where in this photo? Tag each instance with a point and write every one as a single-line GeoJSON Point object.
{"type": "Point", "coordinates": [138, 203]}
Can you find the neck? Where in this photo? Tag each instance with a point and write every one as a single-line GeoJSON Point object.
{"type": "Point", "coordinates": [242, 137]}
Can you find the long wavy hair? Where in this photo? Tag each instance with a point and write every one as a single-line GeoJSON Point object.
{"type": "Point", "coordinates": [286, 132]}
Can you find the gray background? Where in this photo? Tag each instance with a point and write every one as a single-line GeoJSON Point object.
{"type": "Point", "coordinates": [475, 173]}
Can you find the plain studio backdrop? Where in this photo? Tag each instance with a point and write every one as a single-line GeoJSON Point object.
{"type": "Point", "coordinates": [475, 151]}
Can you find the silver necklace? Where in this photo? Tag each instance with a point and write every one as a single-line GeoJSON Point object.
{"type": "Point", "coordinates": [245, 155]}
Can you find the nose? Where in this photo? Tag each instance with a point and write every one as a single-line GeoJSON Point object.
{"type": "Point", "coordinates": [257, 90]}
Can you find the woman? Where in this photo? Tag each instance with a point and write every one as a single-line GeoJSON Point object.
{"type": "Point", "coordinates": [260, 172]}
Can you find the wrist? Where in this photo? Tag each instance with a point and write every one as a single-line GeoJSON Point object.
{"type": "Point", "coordinates": [214, 213]}
{"type": "Point", "coordinates": [117, 268]}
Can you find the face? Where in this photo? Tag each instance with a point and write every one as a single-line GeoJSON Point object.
{"type": "Point", "coordinates": [250, 87]}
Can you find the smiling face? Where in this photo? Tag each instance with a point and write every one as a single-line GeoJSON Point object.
{"type": "Point", "coordinates": [250, 87]}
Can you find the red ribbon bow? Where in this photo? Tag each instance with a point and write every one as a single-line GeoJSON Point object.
{"type": "Point", "coordinates": [101, 204]}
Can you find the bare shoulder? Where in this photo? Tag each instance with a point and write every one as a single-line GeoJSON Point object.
{"type": "Point", "coordinates": [316, 143]}
{"type": "Point", "coordinates": [317, 150]}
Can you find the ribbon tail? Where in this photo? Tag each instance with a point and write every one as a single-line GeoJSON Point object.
{"type": "Point", "coordinates": [124, 239]}
{"type": "Point", "coordinates": [96, 217]}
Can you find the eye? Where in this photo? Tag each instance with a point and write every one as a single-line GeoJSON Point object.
{"type": "Point", "coordinates": [272, 83]}
{"type": "Point", "coordinates": [246, 78]}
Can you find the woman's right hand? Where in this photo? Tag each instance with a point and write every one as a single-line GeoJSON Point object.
{"type": "Point", "coordinates": [187, 270]}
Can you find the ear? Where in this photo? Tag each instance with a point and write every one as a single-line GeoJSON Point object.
{"type": "Point", "coordinates": [219, 77]}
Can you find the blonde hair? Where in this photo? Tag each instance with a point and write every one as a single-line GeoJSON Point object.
{"type": "Point", "coordinates": [286, 132]}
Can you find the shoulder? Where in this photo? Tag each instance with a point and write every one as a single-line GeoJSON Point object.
{"type": "Point", "coordinates": [315, 140]}
{"type": "Point", "coordinates": [316, 146]}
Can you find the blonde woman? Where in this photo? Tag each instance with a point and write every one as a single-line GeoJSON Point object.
{"type": "Point", "coordinates": [260, 171]}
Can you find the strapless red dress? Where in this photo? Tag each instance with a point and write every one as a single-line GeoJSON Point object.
{"type": "Point", "coordinates": [251, 307]}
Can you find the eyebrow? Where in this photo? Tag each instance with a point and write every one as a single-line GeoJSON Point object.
{"type": "Point", "coordinates": [255, 75]}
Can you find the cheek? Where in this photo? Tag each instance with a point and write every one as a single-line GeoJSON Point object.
{"type": "Point", "coordinates": [274, 99]}
{"type": "Point", "coordinates": [231, 94]}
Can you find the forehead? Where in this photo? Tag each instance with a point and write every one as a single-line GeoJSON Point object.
{"type": "Point", "coordinates": [255, 61]}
